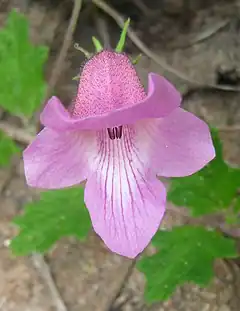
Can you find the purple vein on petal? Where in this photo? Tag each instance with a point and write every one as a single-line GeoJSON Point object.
{"type": "Point", "coordinates": [133, 149]}
{"type": "Point", "coordinates": [113, 171]}
{"type": "Point", "coordinates": [107, 155]}
{"type": "Point", "coordinates": [129, 184]}
{"type": "Point", "coordinates": [121, 191]}
{"type": "Point", "coordinates": [128, 151]}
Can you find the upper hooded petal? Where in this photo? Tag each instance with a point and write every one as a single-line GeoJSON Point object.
{"type": "Point", "coordinates": [161, 100]}
{"type": "Point", "coordinates": [125, 200]}
{"type": "Point", "coordinates": [179, 144]}
{"type": "Point", "coordinates": [56, 160]}
{"type": "Point", "coordinates": [108, 81]}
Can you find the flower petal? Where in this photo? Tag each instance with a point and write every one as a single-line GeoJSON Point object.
{"type": "Point", "coordinates": [180, 144]}
{"type": "Point", "coordinates": [162, 99]}
{"type": "Point", "coordinates": [56, 160]}
{"type": "Point", "coordinates": [125, 200]}
{"type": "Point", "coordinates": [108, 81]}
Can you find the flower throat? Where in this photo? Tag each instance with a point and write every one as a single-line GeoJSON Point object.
{"type": "Point", "coordinates": [115, 132]}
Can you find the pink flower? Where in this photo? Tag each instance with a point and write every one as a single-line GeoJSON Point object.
{"type": "Point", "coordinates": [119, 139]}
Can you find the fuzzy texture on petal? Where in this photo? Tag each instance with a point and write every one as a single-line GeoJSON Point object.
{"type": "Point", "coordinates": [108, 81]}
{"type": "Point", "coordinates": [179, 144]}
{"type": "Point", "coordinates": [125, 200]}
{"type": "Point", "coordinates": [56, 160]}
{"type": "Point", "coordinates": [161, 100]}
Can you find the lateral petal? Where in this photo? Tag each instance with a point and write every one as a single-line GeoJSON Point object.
{"type": "Point", "coordinates": [57, 160]}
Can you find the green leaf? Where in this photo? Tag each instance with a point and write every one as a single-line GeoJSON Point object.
{"type": "Point", "coordinates": [232, 216]}
{"type": "Point", "coordinates": [121, 42]}
{"type": "Point", "coordinates": [22, 85]}
{"type": "Point", "coordinates": [58, 213]}
{"type": "Point", "coordinates": [236, 205]}
{"type": "Point", "coordinates": [7, 149]}
{"type": "Point", "coordinates": [211, 189]}
{"type": "Point", "coordinates": [186, 254]}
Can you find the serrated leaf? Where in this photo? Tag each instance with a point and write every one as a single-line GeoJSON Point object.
{"type": "Point", "coordinates": [185, 254]}
{"type": "Point", "coordinates": [7, 149]}
{"type": "Point", "coordinates": [234, 217]}
{"type": "Point", "coordinates": [22, 85]}
{"type": "Point", "coordinates": [57, 214]}
{"type": "Point", "coordinates": [236, 205]}
{"type": "Point", "coordinates": [211, 189]}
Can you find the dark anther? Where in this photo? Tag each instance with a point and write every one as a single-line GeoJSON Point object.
{"type": "Point", "coordinates": [115, 132]}
{"type": "Point", "coordinates": [111, 133]}
{"type": "Point", "coordinates": [118, 131]}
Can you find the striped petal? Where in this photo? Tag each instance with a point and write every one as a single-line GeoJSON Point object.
{"type": "Point", "coordinates": [125, 200]}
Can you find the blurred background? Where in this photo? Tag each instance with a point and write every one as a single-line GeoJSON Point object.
{"type": "Point", "coordinates": [198, 40]}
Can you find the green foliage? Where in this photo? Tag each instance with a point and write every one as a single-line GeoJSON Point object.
{"type": "Point", "coordinates": [232, 216]}
{"type": "Point", "coordinates": [236, 205]}
{"type": "Point", "coordinates": [22, 85]}
{"type": "Point", "coordinates": [185, 254]}
{"type": "Point", "coordinates": [211, 189]}
{"type": "Point", "coordinates": [58, 213]}
{"type": "Point", "coordinates": [7, 149]}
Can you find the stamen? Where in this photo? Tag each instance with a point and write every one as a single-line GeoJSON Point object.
{"type": "Point", "coordinates": [115, 132]}
{"type": "Point", "coordinates": [111, 133]}
{"type": "Point", "coordinates": [118, 131]}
